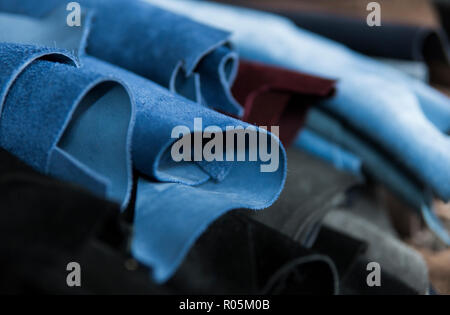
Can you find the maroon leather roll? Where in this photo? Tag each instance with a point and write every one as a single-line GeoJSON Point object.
{"type": "Point", "coordinates": [273, 96]}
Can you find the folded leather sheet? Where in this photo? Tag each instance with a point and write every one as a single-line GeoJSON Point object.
{"type": "Point", "coordinates": [65, 147]}
{"type": "Point", "coordinates": [157, 113]}
{"type": "Point", "coordinates": [98, 101]}
{"type": "Point", "coordinates": [403, 116]}
{"type": "Point", "coordinates": [272, 96]}
{"type": "Point", "coordinates": [188, 57]}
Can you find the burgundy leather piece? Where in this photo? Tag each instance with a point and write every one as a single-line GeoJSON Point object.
{"type": "Point", "coordinates": [273, 96]}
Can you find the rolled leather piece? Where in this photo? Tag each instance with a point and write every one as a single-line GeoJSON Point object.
{"type": "Point", "coordinates": [184, 56]}
{"type": "Point", "coordinates": [72, 104]}
{"type": "Point", "coordinates": [67, 145]}
{"type": "Point", "coordinates": [199, 192]}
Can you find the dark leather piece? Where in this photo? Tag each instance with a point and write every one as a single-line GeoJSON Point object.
{"type": "Point", "coordinates": [238, 255]}
{"type": "Point", "coordinates": [45, 224]}
{"type": "Point", "coordinates": [348, 255]}
{"type": "Point", "coordinates": [312, 189]}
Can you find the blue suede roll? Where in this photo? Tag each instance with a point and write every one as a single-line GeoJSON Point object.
{"type": "Point", "coordinates": [49, 112]}
{"type": "Point", "coordinates": [76, 129]}
{"type": "Point", "coordinates": [171, 216]}
{"type": "Point", "coordinates": [158, 112]}
{"type": "Point", "coordinates": [316, 145]}
{"type": "Point", "coordinates": [167, 48]}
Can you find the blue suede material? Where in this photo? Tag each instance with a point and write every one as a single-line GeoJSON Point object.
{"type": "Point", "coordinates": [65, 167]}
{"type": "Point", "coordinates": [29, 7]}
{"type": "Point", "coordinates": [169, 217]}
{"type": "Point", "coordinates": [48, 93]}
{"type": "Point", "coordinates": [103, 113]}
{"type": "Point", "coordinates": [375, 163]}
{"type": "Point", "coordinates": [51, 31]}
{"type": "Point", "coordinates": [404, 116]}
{"type": "Point", "coordinates": [314, 144]}
{"type": "Point", "coordinates": [217, 72]}
{"type": "Point", "coordinates": [377, 166]}
{"type": "Point", "coordinates": [399, 127]}
{"type": "Point", "coordinates": [157, 112]}
{"type": "Point", "coordinates": [157, 44]}
{"type": "Point", "coordinates": [14, 58]}
{"type": "Point", "coordinates": [166, 224]}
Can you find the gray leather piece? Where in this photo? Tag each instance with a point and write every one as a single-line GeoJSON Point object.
{"type": "Point", "coordinates": [394, 256]}
{"type": "Point", "coordinates": [312, 189]}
